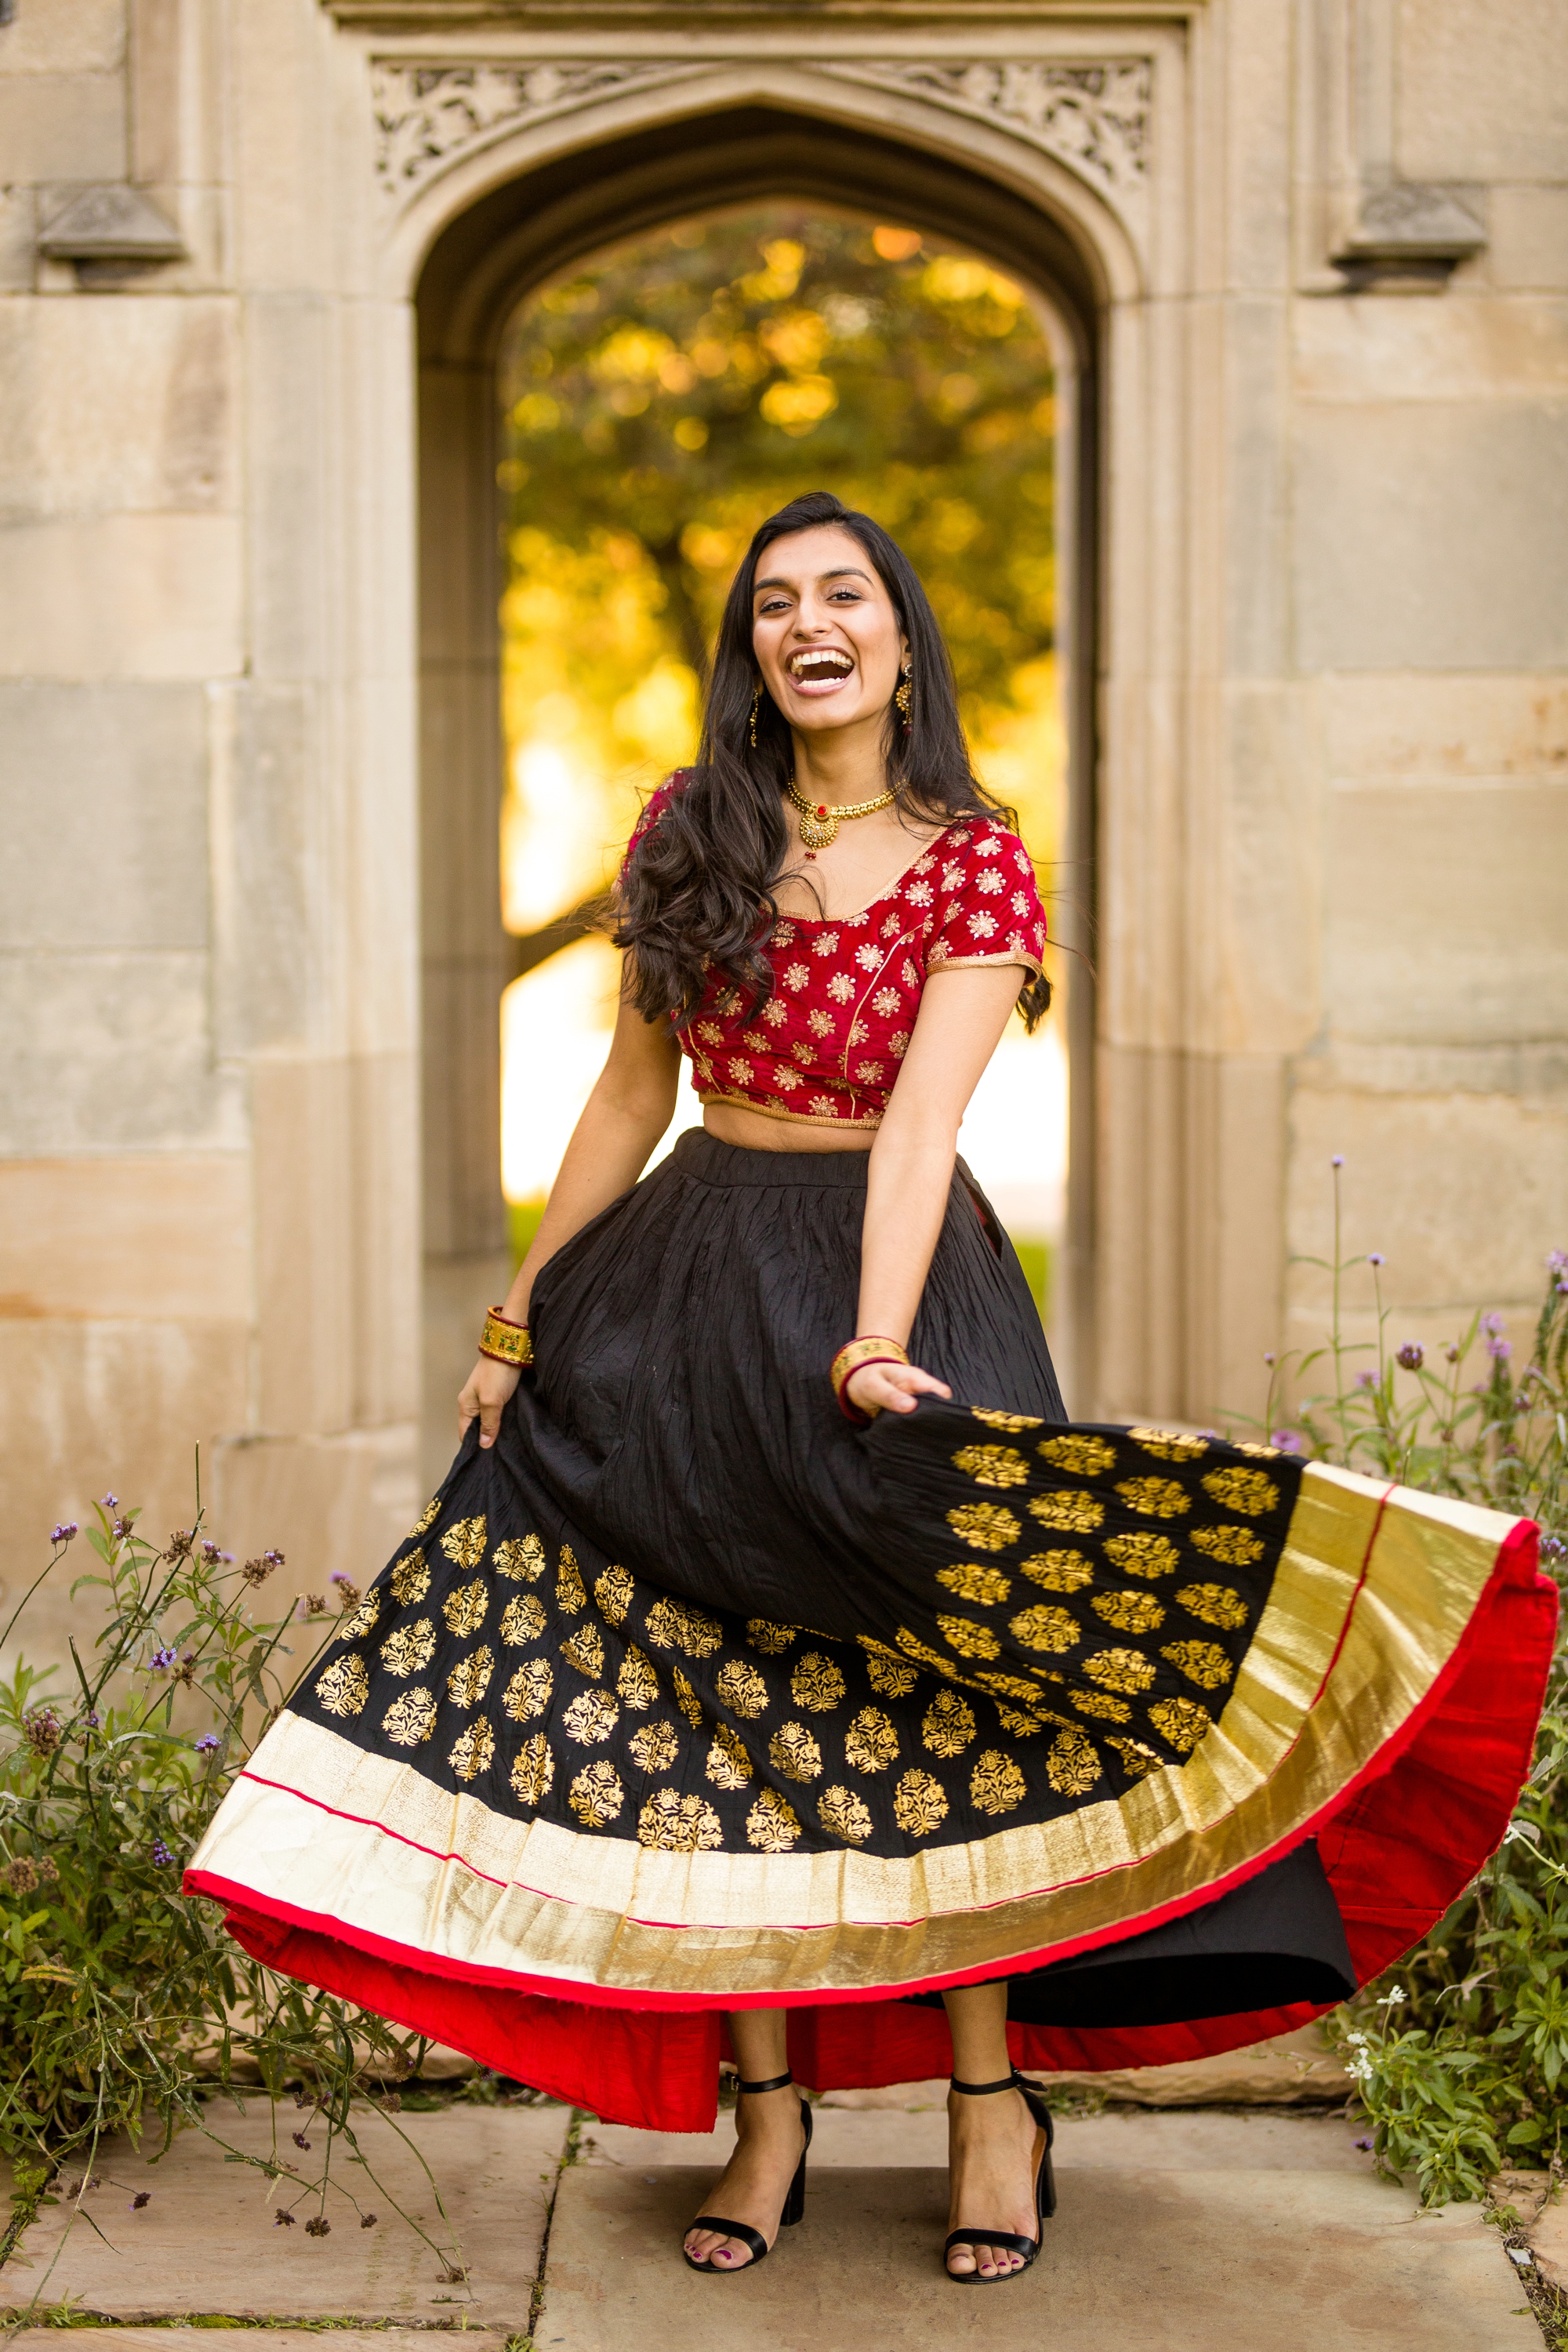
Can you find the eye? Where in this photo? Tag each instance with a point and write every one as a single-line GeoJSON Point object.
{"type": "Point", "coordinates": [846, 595]}
{"type": "Point", "coordinates": [772, 605]}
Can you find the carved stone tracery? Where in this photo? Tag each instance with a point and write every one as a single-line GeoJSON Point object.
{"type": "Point", "coordinates": [1093, 115]}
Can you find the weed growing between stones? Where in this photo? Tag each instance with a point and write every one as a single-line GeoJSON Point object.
{"type": "Point", "coordinates": [1461, 2054]}
{"type": "Point", "coordinates": [125, 2004]}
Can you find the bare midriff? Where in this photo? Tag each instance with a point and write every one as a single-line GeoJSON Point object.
{"type": "Point", "coordinates": [755, 1132]}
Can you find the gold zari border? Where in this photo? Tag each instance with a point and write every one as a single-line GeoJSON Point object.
{"type": "Point", "coordinates": [546, 1901]}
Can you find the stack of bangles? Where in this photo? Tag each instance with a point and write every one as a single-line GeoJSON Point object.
{"type": "Point", "coordinates": [853, 1358]}
{"type": "Point", "coordinates": [505, 1342]}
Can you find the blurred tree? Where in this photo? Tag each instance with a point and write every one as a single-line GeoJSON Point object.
{"type": "Point", "coordinates": [659, 404]}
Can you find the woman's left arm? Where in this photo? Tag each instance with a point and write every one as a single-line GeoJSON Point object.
{"type": "Point", "coordinates": [960, 1020]}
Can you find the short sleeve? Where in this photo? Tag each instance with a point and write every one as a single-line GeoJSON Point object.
{"type": "Point", "coordinates": [988, 905]}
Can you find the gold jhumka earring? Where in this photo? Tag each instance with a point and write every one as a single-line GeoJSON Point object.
{"type": "Point", "coordinates": [901, 699]}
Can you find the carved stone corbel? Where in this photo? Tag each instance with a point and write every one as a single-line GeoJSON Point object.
{"type": "Point", "coordinates": [1409, 237]}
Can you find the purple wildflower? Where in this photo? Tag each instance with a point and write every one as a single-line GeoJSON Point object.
{"type": "Point", "coordinates": [318, 2226]}
{"type": "Point", "coordinates": [1268, 1356]}
{"type": "Point", "coordinates": [1376, 1257]}
{"type": "Point", "coordinates": [367, 2221]}
{"type": "Point", "coordinates": [1499, 1349]}
{"type": "Point", "coordinates": [110, 1502]}
{"type": "Point", "coordinates": [1553, 1548]}
{"type": "Point", "coordinates": [161, 1660]}
{"type": "Point", "coordinates": [1412, 1355]}
{"type": "Point", "coordinates": [1366, 1380]}
{"type": "Point", "coordinates": [300, 2140]}
{"type": "Point", "coordinates": [208, 1744]}
{"type": "Point", "coordinates": [41, 1729]}
{"type": "Point", "coordinates": [1338, 1161]}
{"type": "Point", "coordinates": [1364, 2143]}
{"type": "Point", "coordinates": [90, 1720]}
{"type": "Point", "coordinates": [162, 1857]}
{"type": "Point", "coordinates": [1557, 1261]}
{"type": "Point", "coordinates": [283, 2219]}
{"type": "Point", "coordinates": [64, 1532]}
{"type": "Point", "coordinates": [1288, 1440]}
{"type": "Point", "coordinates": [339, 1576]}
{"type": "Point", "coordinates": [142, 2197]}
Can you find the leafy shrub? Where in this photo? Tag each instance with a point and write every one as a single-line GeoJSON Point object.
{"type": "Point", "coordinates": [1461, 2054]}
{"type": "Point", "coordinates": [124, 2001]}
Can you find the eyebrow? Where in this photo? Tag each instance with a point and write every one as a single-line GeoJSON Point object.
{"type": "Point", "coordinates": [843, 572]}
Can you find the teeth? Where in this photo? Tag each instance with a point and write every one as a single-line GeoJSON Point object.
{"type": "Point", "coordinates": [838, 662]}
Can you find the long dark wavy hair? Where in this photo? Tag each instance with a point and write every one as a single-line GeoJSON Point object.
{"type": "Point", "coordinates": [697, 897]}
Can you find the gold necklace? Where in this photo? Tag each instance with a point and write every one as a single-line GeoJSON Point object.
{"type": "Point", "coordinates": [820, 820]}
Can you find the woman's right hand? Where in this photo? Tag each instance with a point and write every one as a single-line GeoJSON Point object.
{"type": "Point", "coordinates": [486, 1392]}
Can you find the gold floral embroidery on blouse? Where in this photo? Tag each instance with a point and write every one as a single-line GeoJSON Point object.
{"type": "Point", "coordinates": [472, 1752]}
{"type": "Point", "coordinates": [464, 1542]}
{"type": "Point", "coordinates": [344, 1687]}
{"type": "Point", "coordinates": [533, 1769]}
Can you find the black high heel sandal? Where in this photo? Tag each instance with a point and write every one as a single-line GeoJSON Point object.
{"type": "Point", "coordinates": [753, 2241]}
{"type": "Point", "coordinates": [1045, 2189]}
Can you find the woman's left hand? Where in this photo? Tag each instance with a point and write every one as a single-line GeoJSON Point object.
{"type": "Point", "coordinates": [891, 1388]}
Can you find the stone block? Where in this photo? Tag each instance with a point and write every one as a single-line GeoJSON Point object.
{"type": "Point", "coordinates": [1528, 238]}
{"type": "Point", "coordinates": [97, 1407]}
{"type": "Point", "coordinates": [1477, 349]}
{"type": "Point", "coordinates": [1269, 932]}
{"type": "Point", "coordinates": [143, 595]}
{"type": "Point", "coordinates": [116, 407]}
{"type": "Point", "coordinates": [165, 1238]}
{"type": "Point", "coordinates": [1425, 535]}
{"type": "Point", "coordinates": [71, 37]}
{"type": "Point", "coordinates": [1437, 728]}
{"type": "Point", "coordinates": [1445, 920]}
{"type": "Point", "coordinates": [110, 1050]}
{"type": "Point", "coordinates": [1464, 1193]}
{"type": "Point", "coordinates": [1549, 2234]}
{"type": "Point", "coordinates": [207, 2241]}
{"type": "Point", "coordinates": [1165, 2260]}
{"type": "Point", "coordinates": [325, 1503]}
{"type": "Point", "coordinates": [269, 981]}
{"type": "Point", "coordinates": [1476, 100]}
{"type": "Point", "coordinates": [290, 462]}
{"type": "Point", "coordinates": [62, 126]}
{"type": "Point", "coordinates": [103, 805]}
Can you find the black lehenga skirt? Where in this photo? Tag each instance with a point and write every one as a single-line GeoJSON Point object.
{"type": "Point", "coordinates": [690, 1696]}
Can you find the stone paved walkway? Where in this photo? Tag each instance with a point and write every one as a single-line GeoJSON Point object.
{"type": "Point", "coordinates": [1191, 2230]}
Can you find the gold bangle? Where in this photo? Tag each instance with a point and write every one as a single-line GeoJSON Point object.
{"type": "Point", "coordinates": [505, 1342]}
{"type": "Point", "coordinates": [852, 1357]}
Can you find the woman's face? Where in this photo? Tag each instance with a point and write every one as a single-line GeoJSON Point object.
{"type": "Point", "coordinates": [824, 630]}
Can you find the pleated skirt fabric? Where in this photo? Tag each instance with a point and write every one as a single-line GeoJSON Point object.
{"type": "Point", "coordinates": [690, 1697]}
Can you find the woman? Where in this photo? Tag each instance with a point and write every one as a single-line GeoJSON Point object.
{"type": "Point", "coordinates": [777, 1666]}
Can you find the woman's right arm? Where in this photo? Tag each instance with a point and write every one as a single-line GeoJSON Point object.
{"type": "Point", "coordinates": [626, 1115]}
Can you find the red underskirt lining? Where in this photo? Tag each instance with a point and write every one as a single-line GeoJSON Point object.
{"type": "Point", "coordinates": [1399, 1844]}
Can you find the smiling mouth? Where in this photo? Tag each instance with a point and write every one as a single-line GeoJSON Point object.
{"type": "Point", "coordinates": [819, 669]}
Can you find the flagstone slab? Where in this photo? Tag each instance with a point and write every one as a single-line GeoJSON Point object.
{"type": "Point", "coordinates": [1265, 2261]}
{"type": "Point", "coordinates": [207, 2240]}
{"type": "Point", "coordinates": [1178, 2140]}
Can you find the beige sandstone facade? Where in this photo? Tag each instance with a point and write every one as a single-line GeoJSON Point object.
{"type": "Point", "coordinates": [1309, 265]}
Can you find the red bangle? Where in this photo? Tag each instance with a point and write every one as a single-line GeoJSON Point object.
{"type": "Point", "coordinates": [852, 1357]}
{"type": "Point", "coordinates": [506, 1342]}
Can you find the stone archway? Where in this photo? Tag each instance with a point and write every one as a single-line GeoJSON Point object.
{"type": "Point", "coordinates": [480, 265]}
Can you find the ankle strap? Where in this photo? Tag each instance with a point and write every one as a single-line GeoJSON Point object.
{"type": "Point", "coordinates": [777, 2083]}
{"type": "Point", "coordinates": [984, 2090]}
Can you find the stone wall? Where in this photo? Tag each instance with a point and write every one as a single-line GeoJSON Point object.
{"type": "Point", "coordinates": [1323, 743]}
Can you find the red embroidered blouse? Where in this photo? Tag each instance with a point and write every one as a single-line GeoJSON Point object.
{"type": "Point", "coordinates": [826, 1047]}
